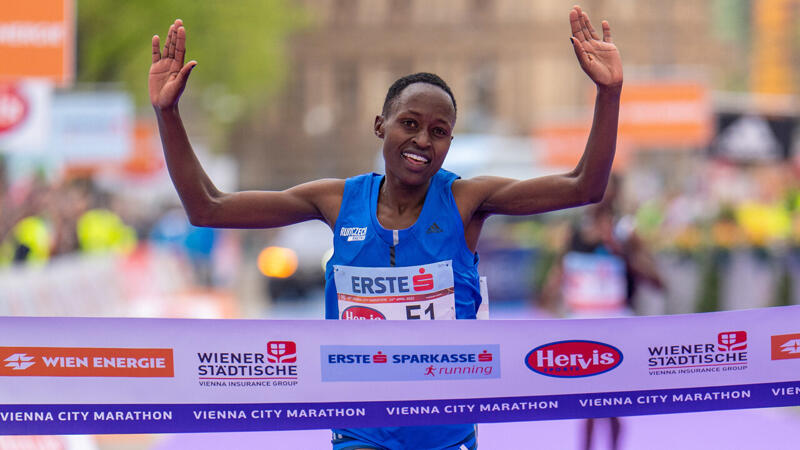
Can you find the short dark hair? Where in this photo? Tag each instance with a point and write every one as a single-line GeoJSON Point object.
{"type": "Point", "coordinates": [422, 77]}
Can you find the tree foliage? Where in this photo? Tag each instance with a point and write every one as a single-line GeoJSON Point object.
{"type": "Point", "coordinates": [238, 44]}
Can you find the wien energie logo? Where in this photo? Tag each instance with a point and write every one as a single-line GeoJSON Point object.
{"type": "Point", "coordinates": [786, 346]}
{"type": "Point", "coordinates": [86, 362]}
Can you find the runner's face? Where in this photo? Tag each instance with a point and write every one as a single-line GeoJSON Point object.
{"type": "Point", "coordinates": [417, 133]}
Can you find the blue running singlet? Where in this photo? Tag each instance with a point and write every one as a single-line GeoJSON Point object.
{"type": "Point", "coordinates": [429, 261]}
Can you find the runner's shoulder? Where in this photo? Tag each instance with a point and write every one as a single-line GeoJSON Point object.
{"type": "Point", "coordinates": [325, 194]}
{"type": "Point", "coordinates": [323, 187]}
{"type": "Point", "coordinates": [477, 189]}
{"type": "Point", "coordinates": [470, 194]}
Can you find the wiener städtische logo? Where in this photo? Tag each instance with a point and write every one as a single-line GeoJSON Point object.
{"type": "Point", "coordinates": [690, 357]}
{"type": "Point", "coordinates": [86, 362]}
{"type": "Point", "coordinates": [274, 364]}
{"type": "Point", "coordinates": [282, 352]}
{"type": "Point", "coordinates": [573, 359]}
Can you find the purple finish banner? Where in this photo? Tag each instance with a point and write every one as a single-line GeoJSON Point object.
{"type": "Point", "coordinates": [106, 376]}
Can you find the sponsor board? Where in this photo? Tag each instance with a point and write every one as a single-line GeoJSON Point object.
{"type": "Point", "coordinates": [573, 359]}
{"type": "Point", "coordinates": [275, 365]}
{"type": "Point", "coordinates": [324, 376]}
{"type": "Point", "coordinates": [37, 40]}
{"type": "Point", "coordinates": [728, 353]}
{"type": "Point", "coordinates": [86, 362]}
{"type": "Point", "coordinates": [409, 362]}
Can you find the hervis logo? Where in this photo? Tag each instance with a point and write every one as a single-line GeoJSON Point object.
{"type": "Point", "coordinates": [362, 313]}
{"type": "Point", "coordinates": [573, 359]}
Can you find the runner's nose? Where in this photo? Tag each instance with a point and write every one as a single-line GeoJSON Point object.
{"type": "Point", "coordinates": [422, 140]}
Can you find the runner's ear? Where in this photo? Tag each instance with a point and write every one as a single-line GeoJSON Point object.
{"type": "Point", "coordinates": [379, 126]}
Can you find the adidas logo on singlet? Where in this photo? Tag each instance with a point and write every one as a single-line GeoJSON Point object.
{"type": "Point", "coordinates": [434, 229]}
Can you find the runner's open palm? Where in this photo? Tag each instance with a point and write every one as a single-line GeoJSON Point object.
{"type": "Point", "coordinates": [168, 74]}
{"type": "Point", "coordinates": [598, 58]}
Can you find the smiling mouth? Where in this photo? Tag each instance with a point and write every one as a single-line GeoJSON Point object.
{"type": "Point", "coordinates": [415, 159]}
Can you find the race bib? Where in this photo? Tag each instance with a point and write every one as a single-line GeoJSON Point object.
{"type": "Point", "coordinates": [424, 292]}
{"type": "Point", "coordinates": [593, 282]}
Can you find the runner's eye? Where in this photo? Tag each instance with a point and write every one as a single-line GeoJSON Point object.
{"type": "Point", "coordinates": [408, 123]}
{"type": "Point", "coordinates": [440, 132]}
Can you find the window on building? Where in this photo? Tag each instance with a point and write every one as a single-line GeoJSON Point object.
{"type": "Point", "coordinates": [346, 79]}
{"type": "Point", "coordinates": [399, 11]}
{"type": "Point", "coordinates": [480, 11]}
{"type": "Point", "coordinates": [344, 11]}
{"type": "Point", "coordinates": [482, 88]}
{"type": "Point", "coordinates": [400, 67]}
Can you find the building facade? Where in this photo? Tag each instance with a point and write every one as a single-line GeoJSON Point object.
{"type": "Point", "coordinates": [509, 63]}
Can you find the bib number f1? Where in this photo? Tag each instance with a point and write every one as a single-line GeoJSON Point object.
{"type": "Point", "coordinates": [424, 292]}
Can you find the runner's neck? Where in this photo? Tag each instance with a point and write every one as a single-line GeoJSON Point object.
{"type": "Point", "coordinates": [399, 208]}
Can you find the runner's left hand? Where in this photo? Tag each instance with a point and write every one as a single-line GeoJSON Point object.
{"type": "Point", "coordinates": [598, 58]}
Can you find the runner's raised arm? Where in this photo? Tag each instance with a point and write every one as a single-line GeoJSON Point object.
{"type": "Point", "coordinates": [204, 203]}
{"type": "Point", "coordinates": [483, 196]}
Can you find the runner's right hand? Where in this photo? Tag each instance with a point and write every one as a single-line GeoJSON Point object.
{"type": "Point", "coordinates": [168, 74]}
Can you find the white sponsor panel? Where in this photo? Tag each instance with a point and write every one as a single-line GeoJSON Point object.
{"type": "Point", "coordinates": [91, 127]}
{"type": "Point", "coordinates": [25, 116]}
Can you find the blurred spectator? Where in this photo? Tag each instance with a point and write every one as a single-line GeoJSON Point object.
{"type": "Point", "coordinates": [100, 230]}
{"type": "Point", "coordinates": [25, 233]}
{"type": "Point", "coordinates": [73, 199]}
{"type": "Point", "coordinates": [41, 220]}
{"type": "Point", "coordinates": [597, 273]}
{"type": "Point", "coordinates": [29, 241]}
{"type": "Point", "coordinates": [197, 244]}
{"type": "Point", "coordinates": [601, 265]}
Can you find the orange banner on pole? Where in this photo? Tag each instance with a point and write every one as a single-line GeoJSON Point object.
{"type": "Point", "coordinates": [37, 40]}
{"type": "Point", "coordinates": [666, 115]}
{"type": "Point", "coordinates": [671, 115]}
{"type": "Point", "coordinates": [563, 145]}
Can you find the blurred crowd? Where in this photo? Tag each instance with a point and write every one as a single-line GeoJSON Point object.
{"type": "Point", "coordinates": [41, 220]}
{"type": "Point", "coordinates": [721, 236]}
{"type": "Point", "coordinates": [724, 236]}
{"type": "Point", "coordinates": [44, 218]}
